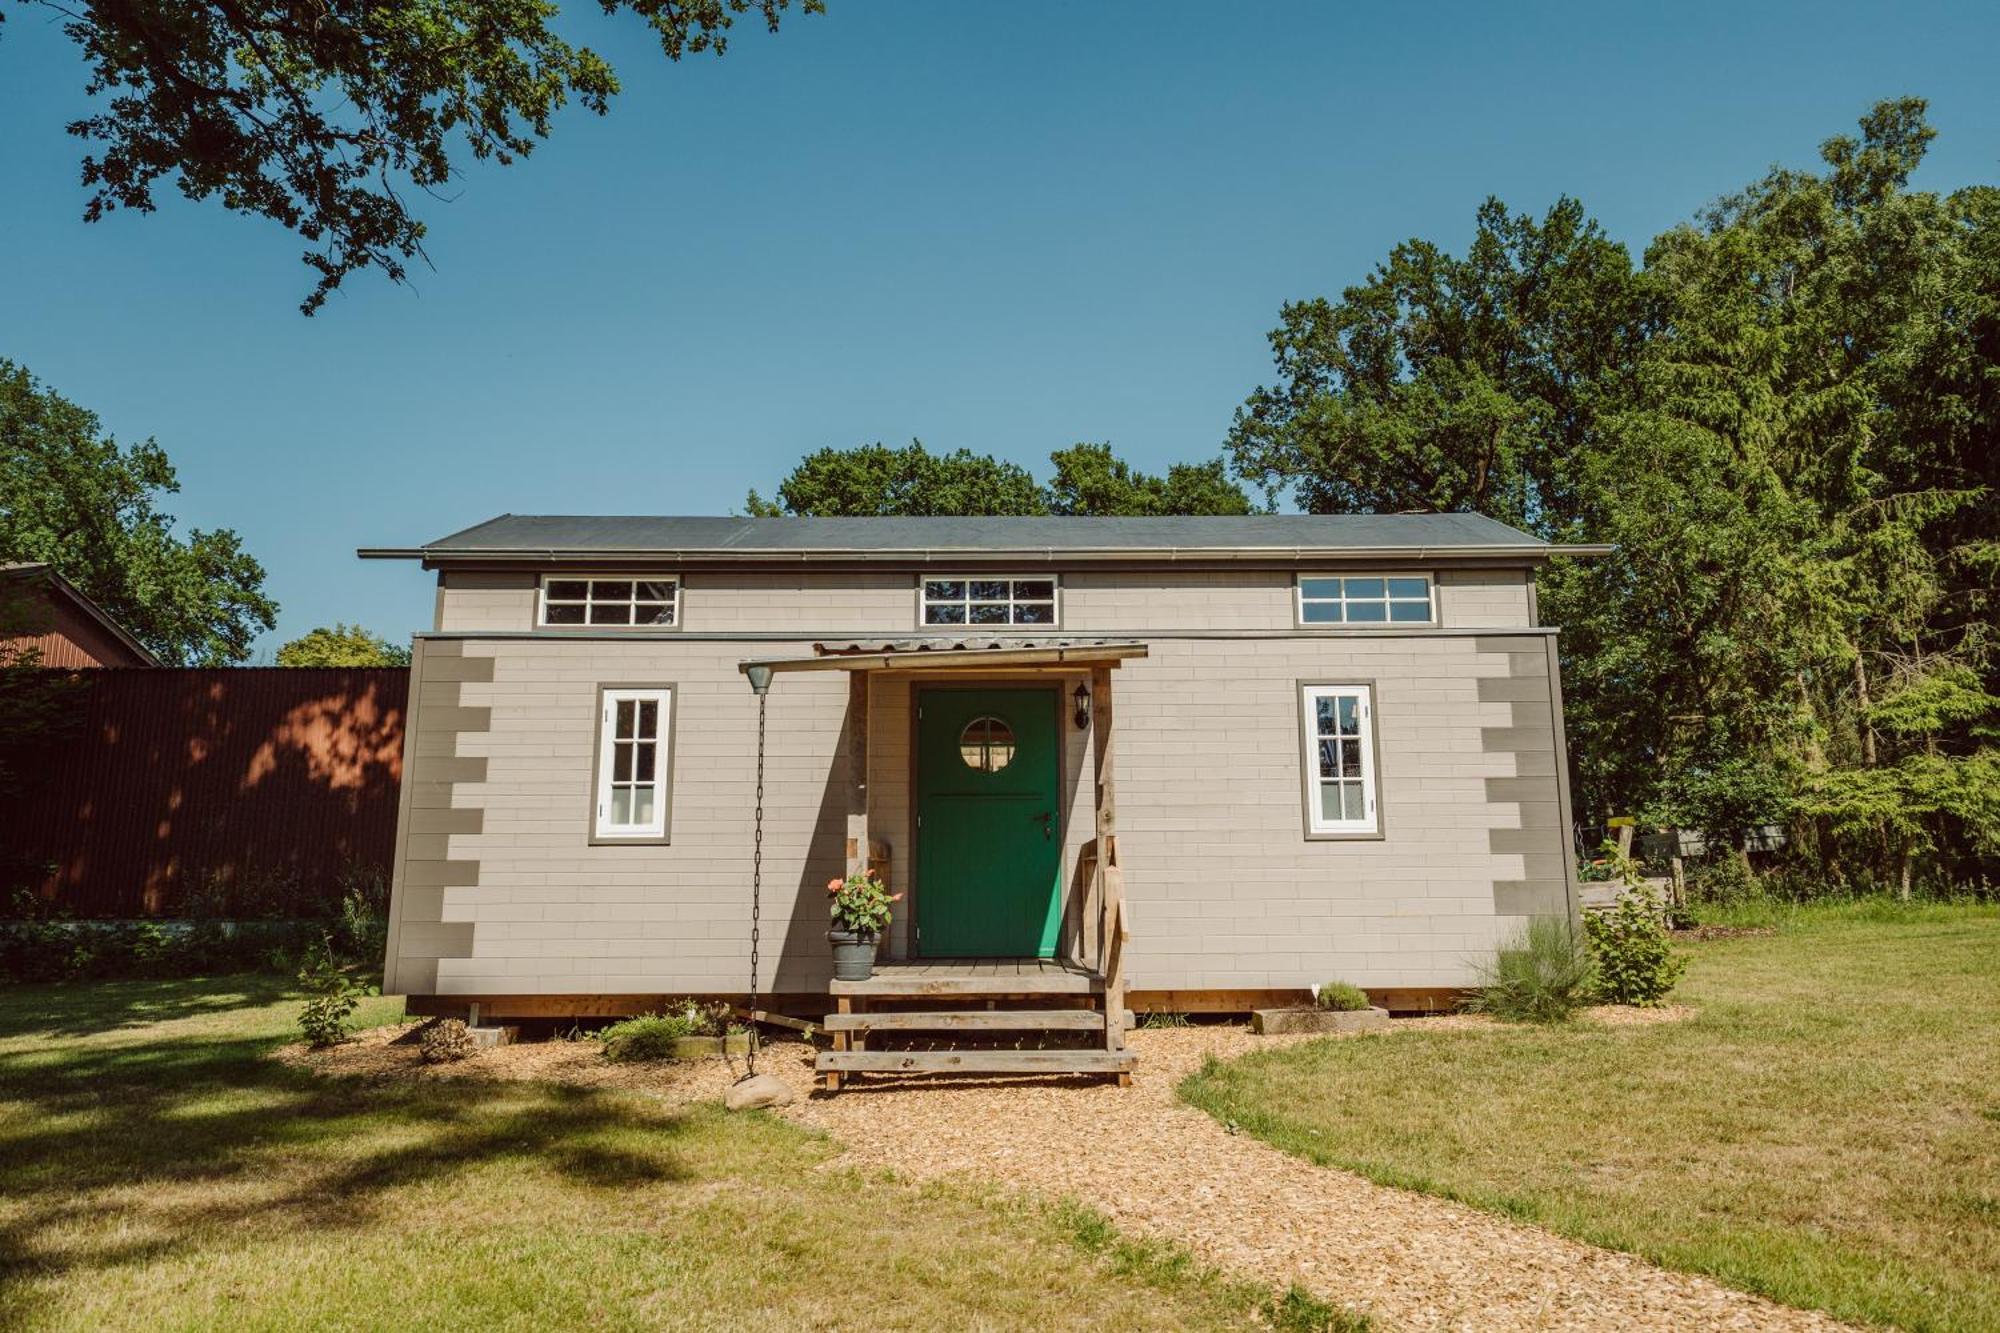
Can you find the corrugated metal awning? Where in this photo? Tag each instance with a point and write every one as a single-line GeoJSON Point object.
{"type": "Point", "coordinates": [926, 653]}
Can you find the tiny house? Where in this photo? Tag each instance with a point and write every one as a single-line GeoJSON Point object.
{"type": "Point", "coordinates": [1112, 765]}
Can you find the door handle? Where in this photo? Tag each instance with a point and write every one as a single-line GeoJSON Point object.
{"type": "Point", "coordinates": [1048, 830]}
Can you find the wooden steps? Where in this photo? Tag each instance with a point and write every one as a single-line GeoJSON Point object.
{"type": "Point", "coordinates": [976, 1016]}
{"type": "Point", "coordinates": [972, 1020]}
{"type": "Point", "coordinates": [976, 1062]}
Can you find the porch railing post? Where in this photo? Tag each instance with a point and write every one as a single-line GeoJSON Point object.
{"type": "Point", "coordinates": [1108, 875]}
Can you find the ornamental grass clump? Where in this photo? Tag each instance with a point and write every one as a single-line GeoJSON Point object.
{"type": "Point", "coordinates": [861, 903]}
{"type": "Point", "coordinates": [1341, 996]}
{"type": "Point", "coordinates": [1545, 976]}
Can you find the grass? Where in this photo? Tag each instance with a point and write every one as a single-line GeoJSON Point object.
{"type": "Point", "coordinates": [1826, 1130]}
{"type": "Point", "coordinates": [158, 1170]}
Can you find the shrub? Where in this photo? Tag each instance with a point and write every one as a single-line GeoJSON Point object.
{"type": "Point", "coordinates": [652, 1036]}
{"type": "Point", "coordinates": [1724, 879]}
{"type": "Point", "coordinates": [331, 996]}
{"type": "Point", "coordinates": [362, 928]}
{"type": "Point", "coordinates": [1340, 995]}
{"type": "Point", "coordinates": [1545, 976]}
{"type": "Point", "coordinates": [445, 1041]}
{"type": "Point", "coordinates": [1636, 962]}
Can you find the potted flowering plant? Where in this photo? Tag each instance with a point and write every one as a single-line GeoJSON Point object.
{"type": "Point", "coordinates": [860, 913]}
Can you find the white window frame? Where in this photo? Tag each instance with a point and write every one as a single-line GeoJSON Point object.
{"type": "Point", "coordinates": [1299, 600]}
{"type": "Point", "coordinates": [590, 581]}
{"type": "Point", "coordinates": [602, 827]}
{"type": "Point", "coordinates": [1053, 601]}
{"type": "Point", "coordinates": [1317, 825]}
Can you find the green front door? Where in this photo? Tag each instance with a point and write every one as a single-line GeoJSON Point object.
{"type": "Point", "coordinates": [989, 824]}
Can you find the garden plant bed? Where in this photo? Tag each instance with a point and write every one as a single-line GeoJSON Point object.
{"type": "Point", "coordinates": [1306, 1018]}
{"type": "Point", "coordinates": [390, 1052]}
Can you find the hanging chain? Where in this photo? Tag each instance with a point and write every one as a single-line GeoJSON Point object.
{"type": "Point", "coordinates": [756, 883]}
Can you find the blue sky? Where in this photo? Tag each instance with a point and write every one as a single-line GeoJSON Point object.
{"type": "Point", "coordinates": [1006, 227]}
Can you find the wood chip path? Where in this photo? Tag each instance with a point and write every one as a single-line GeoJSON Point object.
{"type": "Point", "coordinates": [1157, 1166]}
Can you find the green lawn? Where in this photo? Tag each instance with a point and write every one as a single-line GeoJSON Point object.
{"type": "Point", "coordinates": [158, 1171]}
{"type": "Point", "coordinates": [1826, 1130]}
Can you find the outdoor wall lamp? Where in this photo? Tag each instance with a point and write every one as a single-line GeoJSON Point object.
{"type": "Point", "coordinates": [1082, 697]}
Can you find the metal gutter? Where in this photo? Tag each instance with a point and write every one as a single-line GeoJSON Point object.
{"type": "Point", "coordinates": [935, 555]}
{"type": "Point", "coordinates": [926, 658]}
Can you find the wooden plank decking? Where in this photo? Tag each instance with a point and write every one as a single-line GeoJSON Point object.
{"type": "Point", "coordinates": [974, 976]}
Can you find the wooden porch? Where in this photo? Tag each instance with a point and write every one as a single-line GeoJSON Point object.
{"type": "Point", "coordinates": [1065, 1014]}
{"type": "Point", "coordinates": [985, 978]}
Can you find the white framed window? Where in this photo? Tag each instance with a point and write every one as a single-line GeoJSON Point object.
{"type": "Point", "coordinates": [634, 739]}
{"type": "Point", "coordinates": [1339, 736]}
{"type": "Point", "coordinates": [651, 601]}
{"type": "Point", "coordinates": [987, 600]}
{"type": "Point", "coordinates": [1366, 599]}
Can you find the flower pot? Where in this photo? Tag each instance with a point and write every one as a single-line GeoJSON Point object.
{"type": "Point", "coordinates": [853, 954]}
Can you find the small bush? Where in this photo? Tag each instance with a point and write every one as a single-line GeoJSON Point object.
{"type": "Point", "coordinates": [331, 996]}
{"type": "Point", "coordinates": [445, 1041]}
{"type": "Point", "coordinates": [652, 1036]}
{"type": "Point", "coordinates": [1723, 880]}
{"type": "Point", "coordinates": [1636, 961]}
{"type": "Point", "coordinates": [1545, 976]}
{"type": "Point", "coordinates": [1342, 996]}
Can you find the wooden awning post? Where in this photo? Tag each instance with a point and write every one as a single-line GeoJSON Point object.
{"type": "Point", "coordinates": [857, 773]}
{"type": "Point", "coordinates": [1109, 875]}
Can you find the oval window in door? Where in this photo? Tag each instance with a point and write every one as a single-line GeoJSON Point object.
{"type": "Point", "coordinates": [986, 744]}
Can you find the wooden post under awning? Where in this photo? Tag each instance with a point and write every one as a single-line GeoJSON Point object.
{"type": "Point", "coordinates": [857, 772]}
{"type": "Point", "coordinates": [1100, 725]}
{"type": "Point", "coordinates": [1109, 874]}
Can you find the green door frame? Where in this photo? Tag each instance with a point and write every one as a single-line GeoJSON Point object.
{"type": "Point", "coordinates": [918, 689]}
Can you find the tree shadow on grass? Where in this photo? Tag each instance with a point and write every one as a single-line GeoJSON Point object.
{"type": "Point", "coordinates": [123, 1154]}
{"type": "Point", "coordinates": [81, 1008]}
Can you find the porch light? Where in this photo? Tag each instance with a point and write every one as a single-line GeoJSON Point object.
{"type": "Point", "coordinates": [1082, 697]}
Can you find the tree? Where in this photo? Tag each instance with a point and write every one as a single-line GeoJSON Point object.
{"type": "Point", "coordinates": [873, 480]}
{"type": "Point", "coordinates": [321, 115]}
{"type": "Point", "coordinates": [1829, 331]}
{"type": "Point", "coordinates": [71, 496]}
{"type": "Point", "coordinates": [1445, 383]}
{"type": "Point", "coordinates": [1785, 424]}
{"type": "Point", "coordinates": [342, 646]}
{"type": "Point", "coordinates": [1091, 480]}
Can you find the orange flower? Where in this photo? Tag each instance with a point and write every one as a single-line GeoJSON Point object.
{"type": "Point", "coordinates": [833, 886]}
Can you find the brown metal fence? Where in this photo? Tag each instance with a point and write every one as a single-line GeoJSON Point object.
{"type": "Point", "coordinates": [251, 790]}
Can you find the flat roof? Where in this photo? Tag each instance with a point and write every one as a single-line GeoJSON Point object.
{"type": "Point", "coordinates": [1269, 536]}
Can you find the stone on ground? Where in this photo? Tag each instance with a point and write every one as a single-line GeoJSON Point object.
{"type": "Point", "coordinates": [762, 1090]}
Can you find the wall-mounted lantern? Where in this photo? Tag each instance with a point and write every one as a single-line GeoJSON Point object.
{"type": "Point", "coordinates": [1082, 697]}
